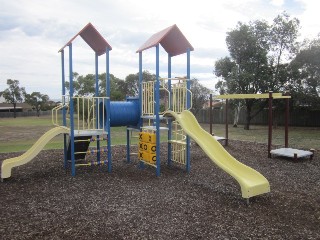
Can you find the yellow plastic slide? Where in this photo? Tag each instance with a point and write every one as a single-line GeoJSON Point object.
{"type": "Point", "coordinates": [10, 163]}
{"type": "Point", "coordinates": [252, 183]}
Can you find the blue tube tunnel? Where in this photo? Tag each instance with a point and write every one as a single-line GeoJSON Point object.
{"type": "Point", "coordinates": [122, 113]}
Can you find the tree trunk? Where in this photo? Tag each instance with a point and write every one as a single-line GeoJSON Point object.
{"type": "Point", "coordinates": [236, 115]}
{"type": "Point", "coordinates": [248, 119]}
{"type": "Point", "coordinates": [14, 110]}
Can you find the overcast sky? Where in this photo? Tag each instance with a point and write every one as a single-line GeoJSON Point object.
{"type": "Point", "coordinates": [32, 32]}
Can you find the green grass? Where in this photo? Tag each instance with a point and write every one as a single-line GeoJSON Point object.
{"type": "Point", "coordinates": [26, 121]}
{"type": "Point", "coordinates": [299, 137]}
{"type": "Point", "coordinates": [19, 134]}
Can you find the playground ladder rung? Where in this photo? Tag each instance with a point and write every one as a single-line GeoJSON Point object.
{"type": "Point", "coordinates": [80, 152]}
{"type": "Point", "coordinates": [83, 140]}
{"type": "Point", "coordinates": [179, 161]}
{"type": "Point", "coordinates": [178, 142]}
{"type": "Point", "coordinates": [90, 164]}
{"type": "Point", "coordinates": [82, 164]}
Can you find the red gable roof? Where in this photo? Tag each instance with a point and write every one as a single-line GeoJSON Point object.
{"type": "Point", "coordinates": [93, 38]}
{"type": "Point", "coordinates": [171, 39]}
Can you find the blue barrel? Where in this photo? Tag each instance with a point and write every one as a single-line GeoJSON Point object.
{"type": "Point", "coordinates": [122, 113]}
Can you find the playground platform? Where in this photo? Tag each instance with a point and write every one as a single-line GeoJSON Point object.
{"type": "Point", "coordinates": [292, 153]}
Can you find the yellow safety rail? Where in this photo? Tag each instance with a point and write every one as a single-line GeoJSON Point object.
{"type": "Point", "coordinates": [86, 113]}
{"type": "Point", "coordinates": [177, 99]}
{"type": "Point", "coordinates": [178, 153]}
{"type": "Point", "coordinates": [178, 144]}
{"type": "Point", "coordinates": [148, 97]}
{"type": "Point", "coordinates": [164, 88]}
{"type": "Point", "coordinates": [179, 94]}
{"type": "Point", "coordinates": [54, 114]}
{"type": "Point", "coordinates": [55, 110]}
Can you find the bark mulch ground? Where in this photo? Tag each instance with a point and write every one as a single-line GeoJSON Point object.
{"type": "Point", "coordinates": [43, 201]}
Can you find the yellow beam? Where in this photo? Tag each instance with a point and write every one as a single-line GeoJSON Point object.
{"type": "Point", "coordinates": [247, 96]}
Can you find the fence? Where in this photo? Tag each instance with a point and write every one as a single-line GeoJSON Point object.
{"type": "Point", "coordinates": [24, 114]}
{"type": "Point", "coordinates": [298, 117]}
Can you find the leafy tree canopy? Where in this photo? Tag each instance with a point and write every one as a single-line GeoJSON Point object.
{"type": "Point", "coordinates": [37, 100]}
{"type": "Point", "coordinates": [13, 94]}
{"type": "Point", "coordinates": [304, 83]}
{"type": "Point", "coordinates": [200, 95]}
{"type": "Point", "coordinates": [258, 60]}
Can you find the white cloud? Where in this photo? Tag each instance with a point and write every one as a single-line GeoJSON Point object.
{"type": "Point", "coordinates": [309, 18]}
{"type": "Point", "coordinates": [32, 32]}
{"type": "Point", "coordinates": [277, 3]}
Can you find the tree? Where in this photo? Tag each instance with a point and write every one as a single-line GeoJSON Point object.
{"type": "Point", "coordinates": [37, 100]}
{"type": "Point", "coordinates": [245, 71]}
{"type": "Point", "coordinates": [118, 87]}
{"type": "Point", "coordinates": [82, 85]}
{"type": "Point", "coordinates": [283, 35]}
{"type": "Point", "coordinates": [132, 81]}
{"type": "Point", "coordinates": [257, 62]}
{"type": "Point", "coordinates": [304, 82]}
{"type": "Point", "coordinates": [236, 105]}
{"type": "Point", "coordinates": [13, 94]}
{"type": "Point", "coordinates": [200, 95]}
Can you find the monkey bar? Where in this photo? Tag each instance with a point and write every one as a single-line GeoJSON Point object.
{"type": "Point", "coordinates": [286, 152]}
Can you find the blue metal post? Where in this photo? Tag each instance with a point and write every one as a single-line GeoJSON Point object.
{"type": "Point", "coordinates": [108, 109]}
{"type": "Point", "coordinates": [170, 107]}
{"type": "Point", "coordinates": [97, 102]}
{"type": "Point", "coordinates": [157, 110]}
{"type": "Point", "coordinates": [128, 146]}
{"type": "Point", "coordinates": [140, 87]}
{"type": "Point", "coordinates": [140, 96]}
{"type": "Point", "coordinates": [73, 165]}
{"type": "Point", "coordinates": [188, 106]}
{"type": "Point", "coordinates": [64, 118]}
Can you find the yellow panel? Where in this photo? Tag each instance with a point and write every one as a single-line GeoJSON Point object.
{"type": "Point", "coordinates": [152, 158]}
{"type": "Point", "coordinates": [144, 137]}
{"type": "Point", "coordinates": [143, 156]}
{"type": "Point", "coordinates": [140, 136]}
{"type": "Point", "coordinates": [151, 148]}
{"type": "Point", "coordinates": [152, 138]}
{"type": "Point", "coordinates": [143, 146]}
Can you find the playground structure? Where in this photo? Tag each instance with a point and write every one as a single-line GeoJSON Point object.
{"type": "Point", "coordinates": [286, 151]}
{"type": "Point", "coordinates": [89, 119]}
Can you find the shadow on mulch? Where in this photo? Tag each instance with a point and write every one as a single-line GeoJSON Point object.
{"type": "Point", "coordinates": [43, 201]}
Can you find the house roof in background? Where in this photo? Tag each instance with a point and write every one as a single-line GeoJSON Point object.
{"type": "Point", "coordinates": [19, 105]}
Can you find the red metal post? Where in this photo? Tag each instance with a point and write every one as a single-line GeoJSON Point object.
{"type": "Point", "coordinates": [270, 125]}
{"type": "Point", "coordinates": [286, 127]}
